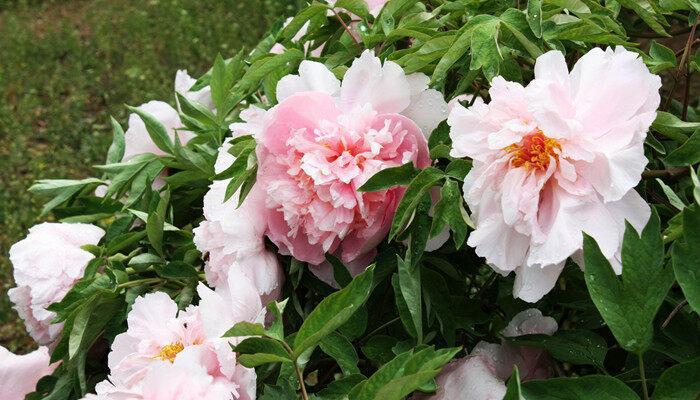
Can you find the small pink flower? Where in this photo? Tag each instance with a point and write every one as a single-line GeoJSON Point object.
{"type": "Point", "coordinates": [482, 374]}
{"type": "Point", "coordinates": [555, 159]}
{"type": "Point", "coordinates": [324, 140]}
{"type": "Point", "coordinates": [158, 333]}
{"type": "Point", "coordinates": [47, 263]}
{"type": "Point", "coordinates": [20, 374]}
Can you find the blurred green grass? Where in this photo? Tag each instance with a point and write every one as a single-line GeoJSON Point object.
{"type": "Point", "coordinates": [65, 66]}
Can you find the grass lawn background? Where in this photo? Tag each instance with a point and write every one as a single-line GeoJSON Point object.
{"type": "Point", "coordinates": [65, 66]}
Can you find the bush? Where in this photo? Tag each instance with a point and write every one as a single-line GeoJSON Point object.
{"type": "Point", "coordinates": [452, 199]}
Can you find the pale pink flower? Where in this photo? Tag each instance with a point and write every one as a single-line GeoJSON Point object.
{"type": "Point", "coordinates": [555, 159]}
{"type": "Point", "coordinates": [483, 373]}
{"type": "Point", "coordinates": [20, 374]}
{"type": "Point", "coordinates": [324, 140]}
{"type": "Point", "coordinates": [182, 379]}
{"type": "Point", "coordinates": [46, 265]}
{"type": "Point", "coordinates": [158, 332]}
{"type": "Point", "coordinates": [183, 84]}
{"type": "Point", "coordinates": [138, 141]}
{"type": "Point", "coordinates": [234, 237]}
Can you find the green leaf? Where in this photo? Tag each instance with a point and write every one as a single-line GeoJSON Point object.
{"type": "Point", "coordinates": [460, 45]}
{"type": "Point", "coordinates": [449, 210]}
{"type": "Point", "coordinates": [672, 196]}
{"type": "Point", "coordinates": [534, 16]}
{"type": "Point", "coordinates": [629, 305]}
{"type": "Point", "coordinates": [338, 347]}
{"type": "Point", "coordinates": [255, 351]}
{"type": "Point", "coordinates": [156, 223]}
{"type": "Point", "coordinates": [576, 6]}
{"type": "Point", "coordinates": [513, 390]}
{"type": "Point", "coordinates": [410, 285]}
{"type": "Point", "coordinates": [116, 149]}
{"type": "Point", "coordinates": [378, 349]}
{"type": "Point", "coordinates": [333, 311]}
{"type": "Point", "coordinates": [222, 78]}
{"type": "Point", "coordinates": [357, 7]}
{"type": "Point", "coordinates": [646, 13]}
{"type": "Point", "coordinates": [156, 130]}
{"type": "Point", "coordinates": [662, 58]}
{"type": "Point", "coordinates": [177, 270]}
{"type": "Point", "coordinates": [485, 51]}
{"type": "Point", "coordinates": [403, 375]}
{"type": "Point", "coordinates": [390, 177]}
{"type": "Point", "coordinates": [245, 328]}
{"type": "Point", "coordinates": [680, 382]}
{"type": "Point", "coordinates": [576, 347]}
{"type": "Point", "coordinates": [673, 127]}
{"type": "Point", "coordinates": [592, 387]}
{"type": "Point", "coordinates": [686, 253]}
{"type": "Point", "coordinates": [419, 186]}
{"type": "Point", "coordinates": [687, 153]}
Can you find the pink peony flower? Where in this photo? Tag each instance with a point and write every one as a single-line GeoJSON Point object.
{"type": "Point", "coordinates": [234, 237]}
{"type": "Point", "coordinates": [47, 263]}
{"type": "Point", "coordinates": [324, 140]}
{"type": "Point", "coordinates": [157, 332]}
{"type": "Point", "coordinates": [482, 374]}
{"type": "Point", "coordinates": [555, 159]}
{"type": "Point", "coordinates": [20, 374]}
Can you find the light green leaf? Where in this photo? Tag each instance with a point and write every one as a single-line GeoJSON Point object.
{"type": "Point", "coordinates": [672, 196]}
{"type": "Point", "coordinates": [513, 390]}
{"type": "Point", "coordinates": [534, 16]}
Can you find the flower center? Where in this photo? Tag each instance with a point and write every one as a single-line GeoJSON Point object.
{"type": "Point", "coordinates": [170, 351]}
{"type": "Point", "coordinates": [534, 152]}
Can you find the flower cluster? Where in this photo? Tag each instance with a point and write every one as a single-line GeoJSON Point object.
{"type": "Point", "coordinates": [200, 255]}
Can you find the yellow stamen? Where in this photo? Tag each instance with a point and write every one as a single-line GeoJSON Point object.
{"type": "Point", "coordinates": [170, 351]}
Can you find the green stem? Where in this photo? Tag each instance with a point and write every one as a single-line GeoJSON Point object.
{"type": "Point", "coordinates": [137, 282]}
{"type": "Point", "coordinates": [642, 376]}
{"type": "Point", "coordinates": [300, 375]}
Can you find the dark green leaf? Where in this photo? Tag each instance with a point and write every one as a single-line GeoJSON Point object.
{"type": "Point", "coordinates": [333, 311]}
{"type": "Point", "coordinates": [629, 305]}
{"type": "Point", "coordinates": [592, 387]}
{"type": "Point", "coordinates": [680, 382]}
{"type": "Point", "coordinates": [338, 347]}
{"type": "Point", "coordinates": [389, 178]}
{"type": "Point", "coordinates": [156, 130]}
{"type": "Point", "coordinates": [419, 186]}
{"type": "Point", "coordinates": [575, 347]}
{"type": "Point", "coordinates": [686, 254]}
{"type": "Point", "coordinates": [688, 153]}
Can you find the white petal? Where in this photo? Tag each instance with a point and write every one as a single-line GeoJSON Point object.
{"type": "Point", "coordinates": [313, 77]}
{"type": "Point", "coordinates": [367, 81]}
{"type": "Point", "coordinates": [533, 282]}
